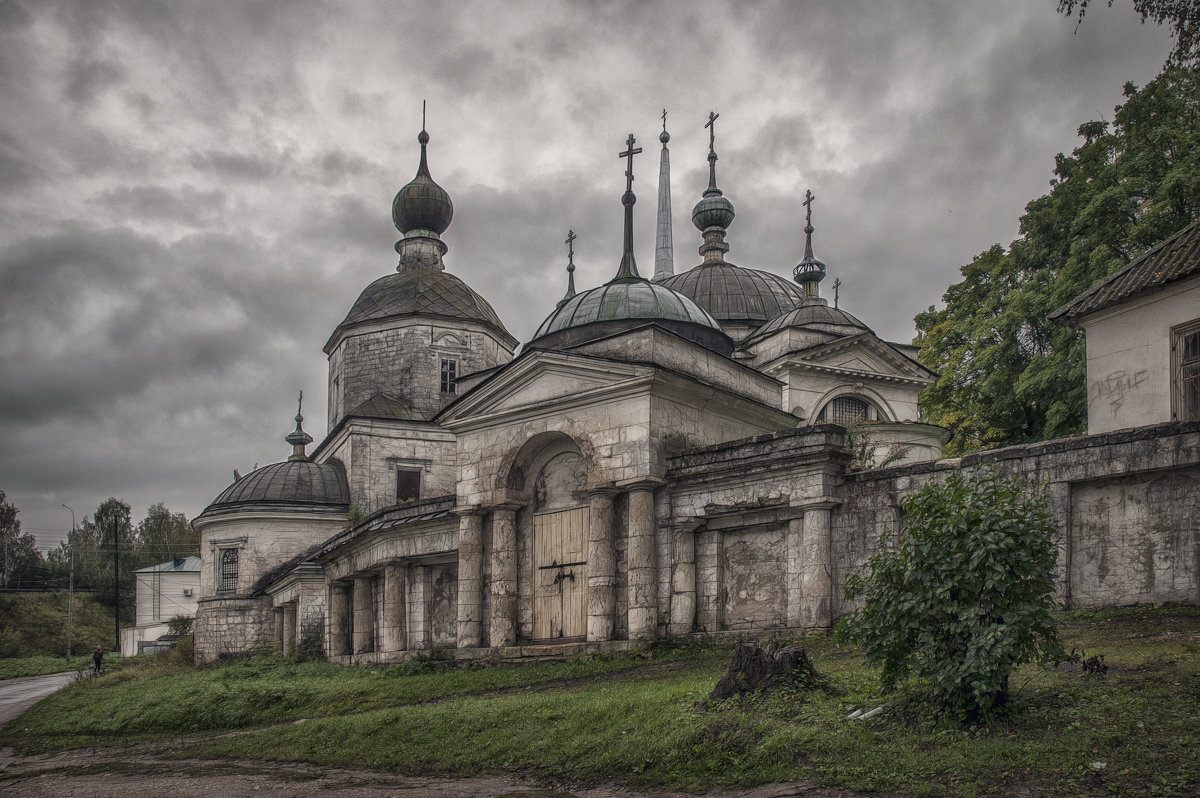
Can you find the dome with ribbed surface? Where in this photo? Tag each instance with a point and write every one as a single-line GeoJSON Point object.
{"type": "Point", "coordinates": [422, 292]}
{"type": "Point", "coordinates": [815, 314]}
{"type": "Point", "coordinates": [733, 294]}
{"type": "Point", "coordinates": [624, 301]}
{"type": "Point", "coordinates": [291, 483]}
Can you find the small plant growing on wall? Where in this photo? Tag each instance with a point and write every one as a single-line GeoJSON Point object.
{"type": "Point", "coordinates": [864, 449]}
{"type": "Point", "coordinates": [964, 596]}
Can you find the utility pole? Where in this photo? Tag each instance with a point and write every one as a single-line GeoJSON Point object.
{"type": "Point", "coordinates": [71, 585]}
{"type": "Point", "coordinates": [116, 583]}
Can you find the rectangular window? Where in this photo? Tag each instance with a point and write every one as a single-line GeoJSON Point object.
{"type": "Point", "coordinates": [227, 579]}
{"type": "Point", "coordinates": [408, 485]}
{"type": "Point", "coordinates": [1186, 368]}
{"type": "Point", "coordinates": [449, 374]}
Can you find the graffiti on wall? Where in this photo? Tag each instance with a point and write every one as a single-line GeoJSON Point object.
{"type": "Point", "coordinates": [1116, 387]}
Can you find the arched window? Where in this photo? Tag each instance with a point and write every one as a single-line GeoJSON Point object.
{"type": "Point", "coordinates": [229, 571]}
{"type": "Point", "coordinates": [845, 410]}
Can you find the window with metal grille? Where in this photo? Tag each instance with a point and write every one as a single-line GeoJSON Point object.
{"type": "Point", "coordinates": [845, 410]}
{"type": "Point", "coordinates": [449, 374]}
{"type": "Point", "coordinates": [408, 485]}
{"type": "Point", "coordinates": [1187, 373]}
{"type": "Point", "coordinates": [229, 571]}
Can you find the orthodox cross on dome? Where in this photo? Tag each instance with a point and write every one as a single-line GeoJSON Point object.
{"type": "Point", "coordinates": [628, 269]}
{"type": "Point", "coordinates": [837, 283]}
{"type": "Point", "coordinates": [712, 154]}
{"type": "Point", "coordinates": [808, 200]}
{"type": "Point", "coordinates": [629, 153]}
{"type": "Point", "coordinates": [809, 272]}
{"type": "Point", "coordinates": [712, 130]}
{"type": "Point", "coordinates": [664, 119]}
{"type": "Point", "coordinates": [298, 438]}
{"type": "Point", "coordinates": [570, 242]}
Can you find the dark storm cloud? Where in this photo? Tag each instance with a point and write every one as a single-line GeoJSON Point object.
{"type": "Point", "coordinates": [88, 78]}
{"type": "Point", "coordinates": [237, 165]}
{"type": "Point", "coordinates": [186, 205]}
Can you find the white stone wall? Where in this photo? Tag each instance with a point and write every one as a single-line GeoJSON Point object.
{"type": "Point", "coordinates": [1129, 358]}
{"type": "Point", "coordinates": [264, 539]}
{"type": "Point", "coordinates": [372, 450]}
{"type": "Point", "coordinates": [402, 357]}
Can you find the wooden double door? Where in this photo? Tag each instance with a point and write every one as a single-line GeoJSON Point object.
{"type": "Point", "coordinates": [560, 575]}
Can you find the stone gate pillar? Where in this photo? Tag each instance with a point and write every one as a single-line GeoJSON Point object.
{"type": "Point", "coordinates": [602, 566]}
{"type": "Point", "coordinates": [502, 626]}
{"type": "Point", "coordinates": [470, 577]}
{"type": "Point", "coordinates": [643, 562]}
{"type": "Point", "coordinates": [816, 569]}
{"type": "Point", "coordinates": [393, 608]}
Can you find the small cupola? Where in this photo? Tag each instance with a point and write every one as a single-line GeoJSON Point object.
{"type": "Point", "coordinates": [422, 211]}
{"type": "Point", "coordinates": [298, 438]}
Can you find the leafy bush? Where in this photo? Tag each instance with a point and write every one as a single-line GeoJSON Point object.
{"type": "Point", "coordinates": [965, 595]}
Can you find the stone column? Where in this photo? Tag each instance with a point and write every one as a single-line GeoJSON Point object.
{"type": "Point", "coordinates": [710, 582]}
{"type": "Point", "coordinates": [683, 583]}
{"type": "Point", "coordinates": [794, 576]}
{"type": "Point", "coordinates": [502, 626]}
{"type": "Point", "coordinates": [364, 618]}
{"type": "Point", "coordinates": [393, 608]}
{"type": "Point", "coordinates": [643, 565]}
{"type": "Point", "coordinates": [277, 623]}
{"type": "Point", "coordinates": [816, 569]}
{"type": "Point", "coordinates": [470, 578]}
{"type": "Point", "coordinates": [338, 615]}
{"type": "Point", "coordinates": [289, 627]}
{"type": "Point", "coordinates": [602, 566]}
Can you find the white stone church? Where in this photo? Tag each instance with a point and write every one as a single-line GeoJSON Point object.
{"type": "Point", "coordinates": [666, 457]}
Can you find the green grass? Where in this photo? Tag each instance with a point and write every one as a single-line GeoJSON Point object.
{"type": "Point", "coordinates": [641, 718]}
{"type": "Point", "coordinates": [40, 665]}
{"type": "Point", "coordinates": [33, 624]}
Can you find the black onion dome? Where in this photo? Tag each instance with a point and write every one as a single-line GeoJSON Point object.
{"type": "Point", "coordinates": [733, 294]}
{"type": "Point", "coordinates": [615, 305]}
{"type": "Point", "coordinates": [422, 292]}
{"type": "Point", "coordinates": [713, 210]}
{"type": "Point", "coordinates": [292, 483]}
{"type": "Point", "coordinates": [422, 204]}
{"type": "Point", "coordinates": [815, 315]}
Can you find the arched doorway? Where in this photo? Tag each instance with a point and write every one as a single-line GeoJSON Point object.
{"type": "Point", "coordinates": [560, 547]}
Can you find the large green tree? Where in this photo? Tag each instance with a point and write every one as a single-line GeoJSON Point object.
{"type": "Point", "coordinates": [1007, 374]}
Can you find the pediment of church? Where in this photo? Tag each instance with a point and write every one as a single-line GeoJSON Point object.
{"type": "Point", "coordinates": [864, 355]}
{"type": "Point", "coordinates": [544, 378]}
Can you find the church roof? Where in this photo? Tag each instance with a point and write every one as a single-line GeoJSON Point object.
{"type": "Point", "coordinates": [814, 314]}
{"type": "Point", "coordinates": [421, 292]}
{"type": "Point", "coordinates": [1174, 259]}
{"type": "Point", "coordinates": [385, 405]}
{"type": "Point", "coordinates": [292, 483]}
{"type": "Point", "coordinates": [733, 294]}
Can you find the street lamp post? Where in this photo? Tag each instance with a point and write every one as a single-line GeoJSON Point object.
{"type": "Point", "coordinates": [71, 585]}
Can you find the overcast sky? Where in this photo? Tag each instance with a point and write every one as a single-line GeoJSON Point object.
{"type": "Point", "coordinates": [192, 195]}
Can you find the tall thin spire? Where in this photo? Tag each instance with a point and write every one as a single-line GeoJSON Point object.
{"type": "Point", "coordinates": [570, 242]}
{"type": "Point", "coordinates": [628, 270]}
{"type": "Point", "coordinates": [664, 248]}
{"type": "Point", "coordinates": [809, 272]}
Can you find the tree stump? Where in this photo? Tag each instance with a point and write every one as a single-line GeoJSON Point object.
{"type": "Point", "coordinates": [758, 669]}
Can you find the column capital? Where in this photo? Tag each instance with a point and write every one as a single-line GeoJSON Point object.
{"type": "Point", "coordinates": [640, 483]}
{"type": "Point", "coordinates": [468, 510]}
{"type": "Point", "coordinates": [607, 489]}
{"type": "Point", "coordinates": [511, 506]}
{"type": "Point", "coordinates": [819, 503]}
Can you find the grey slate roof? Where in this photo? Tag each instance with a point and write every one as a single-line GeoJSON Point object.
{"type": "Point", "coordinates": [291, 483]}
{"type": "Point", "coordinates": [1172, 260]}
{"type": "Point", "coordinates": [385, 405]}
{"type": "Point", "coordinates": [731, 293]}
{"type": "Point", "coordinates": [815, 315]}
{"type": "Point", "coordinates": [422, 292]}
{"type": "Point", "coordinates": [622, 300]}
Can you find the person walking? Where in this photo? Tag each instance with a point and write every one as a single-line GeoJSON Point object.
{"type": "Point", "coordinates": [97, 658]}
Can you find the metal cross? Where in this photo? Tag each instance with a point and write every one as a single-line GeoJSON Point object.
{"type": "Point", "coordinates": [629, 153]}
{"type": "Point", "coordinates": [422, 114]}
{"type": "Point", "coordinates": [300, 403]}
{"type": "Point", "coordinates": [712, 129]}
{"type": "Point", "coordinates": [570, 242]}
{"type": "Point", "coordinates": [664, 119]}
{"type": "Point", "coordinates": [808, 198]}
{"type": "Point", "coordinates": [837, 283]}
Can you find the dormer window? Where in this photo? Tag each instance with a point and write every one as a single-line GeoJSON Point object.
{"type": "Point", "coordinates": [449, 374]}
{"type": "Point", "coordinates": [846, 410]}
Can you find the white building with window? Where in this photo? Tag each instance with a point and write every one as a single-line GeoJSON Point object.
{"type": "Point", "coordinates": [1143, 338]}
{"type": "Point", "coordinates": [163, 592]}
